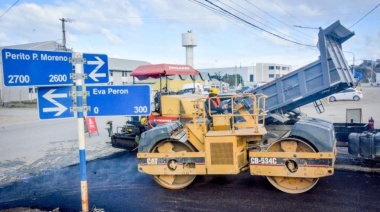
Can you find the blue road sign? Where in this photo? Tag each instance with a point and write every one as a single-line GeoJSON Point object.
{"type": "Point", "coordinates": [127, 100]}
{"type": "Point", "coordinates": [54, 102]}
{"type": "Point", "coordinates": [33, 68]}
{"type": "Point", "coordinates": [49, 68]}
{"type": "Point", "coordinates": [96, 68]}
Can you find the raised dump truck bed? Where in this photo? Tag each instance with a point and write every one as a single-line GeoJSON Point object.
{"type": "Point", "coordinates": [328, 75]}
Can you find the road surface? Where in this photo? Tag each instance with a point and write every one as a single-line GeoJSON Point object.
{"type": "Point", "coordinates": [116, 185]}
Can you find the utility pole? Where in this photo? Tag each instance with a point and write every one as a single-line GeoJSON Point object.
{"type": "Point", "coordinates": [235, 78]}
{"type": "Point", "coordinates": [239, 74]}
{"type": "Point", "coordinates": [353, 65]}
{"type": "Point", "coordinates": [63, 20]}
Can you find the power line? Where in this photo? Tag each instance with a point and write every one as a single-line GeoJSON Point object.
{"type": "Point", "coordinates": [246, 9]}
{"type": "Point", "coordinates": [255, 26]}
{"type": "Point", "coordinates": [9, 8]}
{"type": "Point", "coordinates": [217, 12]}
{"type": "Point", "coordinates": [275, 17]}
{"type": "Point", "coordinates": [364, 16]}
{"type": "Point", "coordinates": [208, 7]}
{"type": "Point", "coordinates": [287, 12]}
{"type": "Point", "coordinates": [249, 16]}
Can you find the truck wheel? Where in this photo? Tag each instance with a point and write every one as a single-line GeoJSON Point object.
{"type": "Point", "coordinates": [172, 181]}
{"type": "Point", "coordinates": [292, 185]}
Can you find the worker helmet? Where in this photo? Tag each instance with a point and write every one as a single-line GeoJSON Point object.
{"type": "Point", "coordinates": [143, 121]}
{"type": "Point", "coordinates": [214, 91]}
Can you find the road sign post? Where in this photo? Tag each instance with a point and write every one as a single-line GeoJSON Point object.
{"type": "Point", "coordinates": [78, 61]}
{"type": "Point", "coordinates": [44, 68]}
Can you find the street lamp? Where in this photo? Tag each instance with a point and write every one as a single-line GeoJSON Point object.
{"type": "Point", "coordinates": [306, 27]}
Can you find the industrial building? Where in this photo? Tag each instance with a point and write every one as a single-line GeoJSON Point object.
{"type": "Point", "coordinates": [252, 75]}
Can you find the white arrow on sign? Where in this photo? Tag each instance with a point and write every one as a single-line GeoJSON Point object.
{"type": "Point", "coordinates": [94, 75]}
{"type": "Point", "coordinates": [50, 97]}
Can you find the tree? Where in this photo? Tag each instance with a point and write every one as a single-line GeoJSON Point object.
{"type": "Point", "coordinates": [235, 78]}
{"type": "Point", "coordinates": [219, 76]}
{"type": "Point", "coordinates": [366, 68]}
{"type": "Point", "coordinates": [230, 79]}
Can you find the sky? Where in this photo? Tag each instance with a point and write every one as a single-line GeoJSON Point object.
{"type": "Point", "coordinates": [151, 30]}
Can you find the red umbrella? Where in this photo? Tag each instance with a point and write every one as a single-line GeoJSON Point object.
{"type": "Point", "coordinates": [162, 70]}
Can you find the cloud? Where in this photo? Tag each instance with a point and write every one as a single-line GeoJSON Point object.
{"type": "Point", "coordinates": [150, 30]}
{"type": "Point", "coordinates": [88, 18]}
{"type": "Point", "coordinates": [4, 38]}
{"type": "Point", "coordinates": [111, 37]}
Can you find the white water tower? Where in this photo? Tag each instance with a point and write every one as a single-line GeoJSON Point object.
{"type": "Point", "coordinates": [189, 40]}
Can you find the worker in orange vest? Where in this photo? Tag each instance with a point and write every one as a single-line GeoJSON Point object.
{"type": "Point", "coordinates": [147, 124]}
{"type": "Point", "coordinates": [215, 103]}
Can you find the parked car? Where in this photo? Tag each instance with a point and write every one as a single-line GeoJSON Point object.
{"type": "Point", "coordinates": [185, 91]}
{"type": "Point", "coordinates": [348, 94]}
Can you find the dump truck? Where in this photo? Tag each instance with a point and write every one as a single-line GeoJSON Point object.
{"type": "Point", "coordinates": [292, 155]}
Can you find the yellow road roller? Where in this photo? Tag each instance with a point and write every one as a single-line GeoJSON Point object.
{"type": "Point", "coordinates": [236, 141]}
